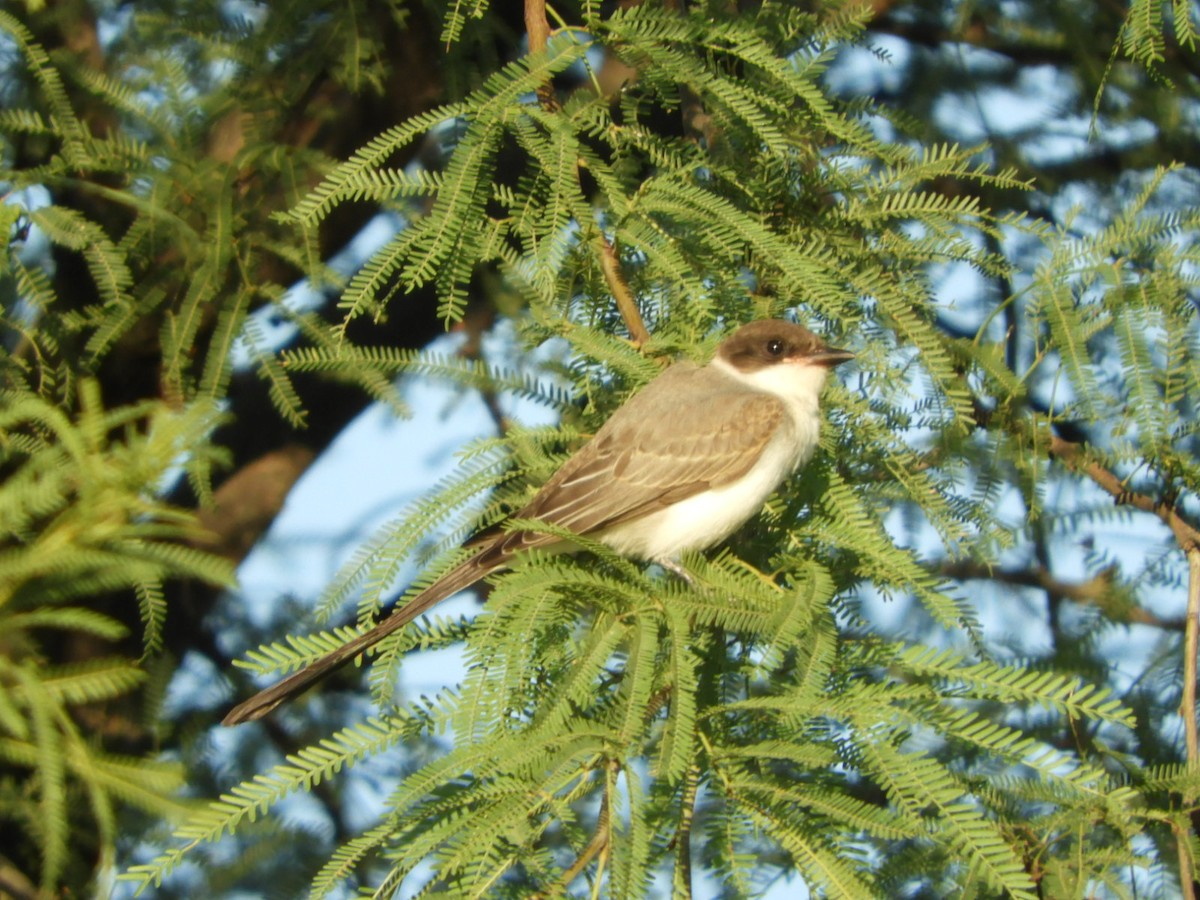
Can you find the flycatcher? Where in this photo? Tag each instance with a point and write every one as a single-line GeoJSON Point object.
{"type": "Point", "coordinates": [679, 467]}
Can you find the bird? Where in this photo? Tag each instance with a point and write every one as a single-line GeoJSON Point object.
{"type": "Point", "coordinates": [679, 466]}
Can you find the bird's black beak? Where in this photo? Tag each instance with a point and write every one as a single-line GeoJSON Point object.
{"type": "Point", "coordinates": [830, 357]}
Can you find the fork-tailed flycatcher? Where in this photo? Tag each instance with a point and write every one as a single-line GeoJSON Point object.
{"type": "Point", "coordinates": [679, 467]}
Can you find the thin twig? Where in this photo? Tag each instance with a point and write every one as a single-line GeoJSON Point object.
{"type": "Point", "coordinates": [1190, 639]}
{"type": "Point", "coordinates": [619, 288]}
{"type": "Point", "coordinates": [595, 845]}
{"type": "Point", "coordinates": [682, 879]}
{"type": "Point", "coordinates": [1187, 709]}
{"type": "Point", "coordinates": [538, 29]}
{"type": "Point", "coordinates": [598, 843]}
{"type": "Point", "coordinates": [1186, 534]}
{"type": "Point", "coordinates": [1183, 846]}
{"type": "Point", "coordinates": [1097, 591]}
{"type": "Point", "coordinates": [1188, 537]}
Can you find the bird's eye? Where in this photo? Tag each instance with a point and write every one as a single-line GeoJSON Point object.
{"type": "Point", "coordinates": [775, 347]}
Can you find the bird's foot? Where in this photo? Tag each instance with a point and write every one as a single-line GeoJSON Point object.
{"type": "Point", "coordinates": [672, 566]}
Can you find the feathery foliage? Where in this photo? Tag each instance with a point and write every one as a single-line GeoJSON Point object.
{"type": "Point", "coordinates": [617, 728]}
{"type": "Point", "coordinates": [613, 713]}
{"type": "Point", "coordinates": [80, 518]}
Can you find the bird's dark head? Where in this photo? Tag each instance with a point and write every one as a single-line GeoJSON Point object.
{"type": "Point", "coordinates": [769, 342]}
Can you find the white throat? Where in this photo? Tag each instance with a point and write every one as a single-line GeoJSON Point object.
{"type": "Point", "coordinates": [798, 384]}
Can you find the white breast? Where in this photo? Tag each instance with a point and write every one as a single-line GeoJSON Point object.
{"type": "Point", "coordinates": [706, 518]}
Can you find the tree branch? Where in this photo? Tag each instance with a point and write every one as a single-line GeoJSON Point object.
{"type": "Point", "coordinates": [682, 876]}
{"type": "Point", "coordinates": [1071, 455]}
{"type": "Point", "coordinates": [599, 841]}
{"type": "Point", "coordinates": [619, 288]}
{"type": "Point", "coordinates": [248, 501]}
{"type": "Point", "coordinates": [538, 29]}
{"type": "Point", "coordinates": [1188, 702]}
{"type": "Point", "coordinates": [1188, 538]}
{"type": "Point", "coordinates": [1096, 591]}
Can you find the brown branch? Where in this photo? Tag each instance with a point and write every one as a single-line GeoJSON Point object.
{"type": "Point", "coordinates": [1191, 636]}
{"type": "Point", "coordinates": [538, 29]}
{"type": "Point", "coordinates": [682, 876]}
{"type": "Point", "coordinates": [248, 501]}
{"type": "Point", "coordinates": [15, 884]}
{"type": "Point", "coordinates": [619, 287]}
{"type": "Point", "coordinates": [977, 34]}
{"type": "Point", "coordinates": [1188, 537]}
{"type": "Point", "coordinates": [474, 325]}
{"type": "Point", "coordinates": [1096, 591]}
{"type": "Point", "coordinates": [1071, 455]}
{"type": "Point", "coordinates": [697, 121]}
{"type": "Point", "coordinates": [599, 842]}
{"type": "Point", "coordinates": [1176, 59]}
{"type": "Point", "coordinates": [1183, 845]}
{"type": "Point", "coordinates": [536, 25]}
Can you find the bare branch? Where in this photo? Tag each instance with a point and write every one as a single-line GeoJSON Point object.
{"type": "Point", "coordinates": [1096, 591]}
{"type": "Point", "coordinates": [1188, 703]}
{"type": "Point", "coordinates": [626, 302]}
{"type": "Point", "coordinates": [538, 29]}
{"type": "Point", "coordinates": [1071, 454]}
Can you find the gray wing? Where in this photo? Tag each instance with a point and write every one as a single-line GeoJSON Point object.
{"type": "Point", "coordinates": [629, 470]}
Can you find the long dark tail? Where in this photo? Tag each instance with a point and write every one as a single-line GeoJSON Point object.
{"type": "Point", "coordinates": [462, 576]}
